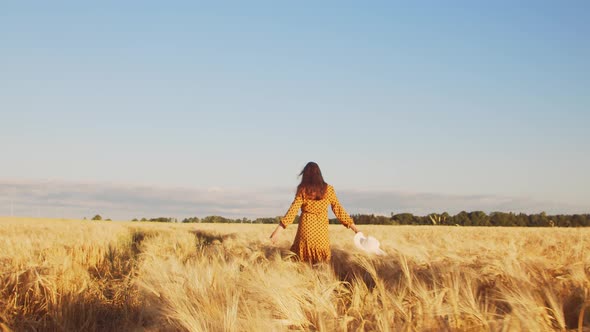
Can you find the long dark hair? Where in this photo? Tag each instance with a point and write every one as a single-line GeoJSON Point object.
{"type": "Point", "coordinates": [312, 183]}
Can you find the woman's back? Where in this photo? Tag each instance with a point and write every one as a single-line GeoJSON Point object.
{"type": "Point", "coordinates": [320, 206]}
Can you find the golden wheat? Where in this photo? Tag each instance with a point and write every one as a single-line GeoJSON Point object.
{"type": "Point", "coordinates": [59, 275]}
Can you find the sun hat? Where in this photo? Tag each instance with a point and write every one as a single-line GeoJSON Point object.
{"type": "Point", "coordinates": [368, 244]}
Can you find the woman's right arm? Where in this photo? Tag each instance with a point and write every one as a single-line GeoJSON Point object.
{"type": "Point", "coordinates": [275, 235]}
{"type": "Point", "coordinates": [288, 218]}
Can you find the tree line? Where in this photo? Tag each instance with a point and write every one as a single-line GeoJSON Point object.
{"type": "Point", "coordinates": [477, 218]}
{"type": "Point", "coordinates": [463, 218]}
{"type": "Point", "coordinates": [474, 218]}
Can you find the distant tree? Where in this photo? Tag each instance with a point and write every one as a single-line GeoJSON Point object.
{"type": "Point", "coordinates": [462, 218]}
{"type": "Point", "coordinates": [502, 219]}
{"type": "Point", "coordinates": [522, 220]}
{"type": "Point", "coordinates": [215, 219]}
{"type": "Point", "coordinates": [438, 219]}
{"type": "Point", "coordinates": [579, 220]}
{"type": "Point", "coordinates": [445, 219]}
{"type": "Point", "coordinates": [108, 219]}
{"type": "Point", "coordinates": [403, 218]}
{"type": "Point", "coordinates": [161, 219]}
{"type": "Point", "coordinates": [134, 219]}
{"type": "Point", "coordinates": [479, 218]}
{"type": "Point", "coordinates": [274, 220]}
{"type": "Point", "coordinates": [369, 219]}
{"type": "Point", "coordinates": [562, 221]}
{"type": "Point", "coordinates": [539, 220]}
{"type": "Point", "coordinates": [97, 217]}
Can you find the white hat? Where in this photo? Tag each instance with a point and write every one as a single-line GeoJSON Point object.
{"type": "Point", "coordinates": [368, 244]}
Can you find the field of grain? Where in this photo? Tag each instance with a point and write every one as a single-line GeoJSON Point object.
{"type": "Point", "coordinates": [58, 275]}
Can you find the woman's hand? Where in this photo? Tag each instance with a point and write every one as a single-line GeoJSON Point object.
{"type": "Point", "coordinates": [275, 235]}
{"type": "Point", "coordinates": [353, 227]}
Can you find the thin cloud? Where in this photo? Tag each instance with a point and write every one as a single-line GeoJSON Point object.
{"type": "Point", "coordinates": [386, 202]}
{"type": "Point", "coordinates": [117, 201]}
{"type": "Point", "coordinates": [75, 200]}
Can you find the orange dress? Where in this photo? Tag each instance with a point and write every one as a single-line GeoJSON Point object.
{"type": "Point", "coordinates": [312, 243]}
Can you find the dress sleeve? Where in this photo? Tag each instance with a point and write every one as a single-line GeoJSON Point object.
{"type": "Point", "coordinates": [292, 212]}
{"type": "Point", "coordinates": [338, 210]}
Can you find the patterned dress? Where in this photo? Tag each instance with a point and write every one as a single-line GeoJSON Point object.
{"type": "Point", "coordinates": [312, 243]}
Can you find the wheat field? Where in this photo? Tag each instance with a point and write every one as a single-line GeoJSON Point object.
{"type": "Point", "coordinates": [66, 275]}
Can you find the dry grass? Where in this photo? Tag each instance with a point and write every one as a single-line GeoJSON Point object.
{"type": "Point", "coordinates": [118, 276]}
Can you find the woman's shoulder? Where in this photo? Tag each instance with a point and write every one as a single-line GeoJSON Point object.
{"type": "Point", "coordinates": [329, 188]}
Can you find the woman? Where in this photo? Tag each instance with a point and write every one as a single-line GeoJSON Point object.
{"type": "Point", "coordinates": [313, 196]}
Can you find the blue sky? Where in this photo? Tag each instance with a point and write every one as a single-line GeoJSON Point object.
{"type": "Point", "coordinates": [418, 106]}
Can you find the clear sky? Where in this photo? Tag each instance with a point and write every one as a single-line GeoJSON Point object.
{"type": "Point", "coordinates": [407, 107]}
